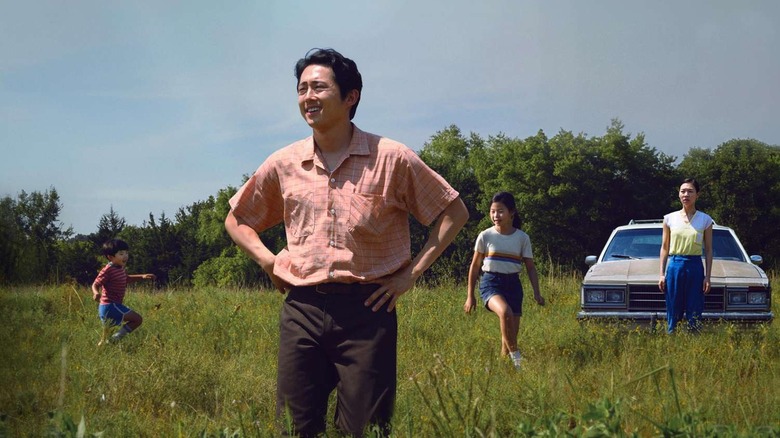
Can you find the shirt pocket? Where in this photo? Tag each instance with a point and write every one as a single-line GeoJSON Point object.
{"type": "Point", "coordinates": [299, 215]}
{"type": "Point", "coordinates": [366, 212]}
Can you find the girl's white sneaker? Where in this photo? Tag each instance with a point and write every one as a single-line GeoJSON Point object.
{"type": "Point", "coordinates": [516, 359]}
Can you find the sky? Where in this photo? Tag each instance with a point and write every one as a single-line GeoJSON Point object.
{"type": "Point", "coordinates": [150, 106]}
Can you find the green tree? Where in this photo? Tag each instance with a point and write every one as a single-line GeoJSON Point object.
{"type": "Point", "coordinates": [11, 241]}
{"type": "Point", "coordinates": [154, 247]}
{"type": "Point", "coordinates": [37, 217]}
{"type": "Point", "coordinates": [741, 189]}
{"type": "Point", "coordinates": [191, 252]}
{"type": "Point", "coordinates": [573, 190]}
{"type": "Point", "coordinates": [201, 234]}
{"type": "Point", "coordinates": [230, 266]}
{"type": "Point", "coordinates": [109, 227]}
{"type": "Point", "coordinates": [211, 221]}
{"type": "Point", "coordinates": [448, 153]}
{"type": "Point", "coordinates": [78, 260]}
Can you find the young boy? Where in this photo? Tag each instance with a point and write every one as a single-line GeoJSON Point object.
{"type": "Point", "coordinates": [109, 289]}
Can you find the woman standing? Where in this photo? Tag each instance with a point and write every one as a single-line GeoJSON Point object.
{"type": "Point", "coordinates": [687, 234]}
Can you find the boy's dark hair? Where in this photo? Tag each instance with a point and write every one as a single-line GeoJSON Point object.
{"type": "Point", "coordinates": [345, 72]}
{"type": "Point", "coordinates": [692, 181]}
{"type": "Point", "coordinates": [508, 200]}
{"type": "Point", "coordinates": [113, 246]}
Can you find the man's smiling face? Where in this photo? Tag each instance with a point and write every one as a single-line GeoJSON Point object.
{"type": "Point", "coordinates": [319, 98]}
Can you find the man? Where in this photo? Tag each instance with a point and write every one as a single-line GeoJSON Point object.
{"type": "Point", "coordinates": [344, 196]}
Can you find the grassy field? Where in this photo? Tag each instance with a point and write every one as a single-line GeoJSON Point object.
{"type": "Point", "coordinates": [204, 364]}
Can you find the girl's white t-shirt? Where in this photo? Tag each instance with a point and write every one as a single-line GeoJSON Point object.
{"type": "Point", "coordinates": [504, 254]}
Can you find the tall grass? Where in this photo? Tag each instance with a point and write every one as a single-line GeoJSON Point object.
{"type": "Point", "coordinates": [204, 364]}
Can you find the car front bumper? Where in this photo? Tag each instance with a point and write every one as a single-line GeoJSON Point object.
{"type": "Point", "coordinates": [653, 316]}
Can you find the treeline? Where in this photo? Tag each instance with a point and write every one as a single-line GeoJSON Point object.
{"type": "Point", "coordinates": [572, 190]}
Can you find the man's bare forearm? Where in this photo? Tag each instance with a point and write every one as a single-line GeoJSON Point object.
{"type": "Point", "coordinates": [449, 224]}
{"type": "Point", "coordinates": [247, 239]}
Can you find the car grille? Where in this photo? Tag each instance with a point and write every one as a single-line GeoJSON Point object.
{"type": "Point", "coordinates": [643, 298]}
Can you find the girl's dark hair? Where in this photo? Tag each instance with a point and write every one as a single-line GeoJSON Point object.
{"type": "Point", "coordinates": [113, 246]}
{"type": "Point", "coordinates": [691, 181]}
{"type": "Point", "coordinates": [508, 200]}
{"type": "Point", "coordinates": [345, 72]}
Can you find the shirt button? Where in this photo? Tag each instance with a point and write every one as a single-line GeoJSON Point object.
{"type": "Point", "coordinates": [332, 211]}
{"type": "Point", "coordinates": [332, 243]}
{"type": "Point", "coordinates": [333, 180]}
{"type": "Point", "coordinates": [331, 274]}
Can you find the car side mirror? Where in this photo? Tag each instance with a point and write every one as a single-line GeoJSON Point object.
{"type": "Point", "coordinates": [591, 260]}
{"type": "Point", "coordinates": [756, 259]}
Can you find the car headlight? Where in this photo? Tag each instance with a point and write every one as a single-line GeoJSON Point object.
{"type": "Point", "coordinates": [757, 298]}
{"type": "Point", "coordinates": [615, 296]}
{"type": "Point", "coordinates": [738, 298]}
{"type": "Point", "coordinates": [594, 296]}
{"type": "Point", "coordinates": [608, 296]}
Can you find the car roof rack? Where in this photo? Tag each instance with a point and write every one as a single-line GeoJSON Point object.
{"type": "Point", "coordinates": [655, 221]}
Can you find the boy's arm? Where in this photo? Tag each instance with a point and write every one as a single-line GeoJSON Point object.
{"type": "Point", "coordinates": [96, 291]}
{"type": "Point", "coordinates": [138, 277]}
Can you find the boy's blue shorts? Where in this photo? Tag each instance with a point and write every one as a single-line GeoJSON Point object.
{"type": "Point", "coordinates": [506, 285]}
{"type": "Point", "coordinates": [113, 313]}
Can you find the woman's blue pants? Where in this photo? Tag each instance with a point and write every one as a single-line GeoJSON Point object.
{"type": "Point", "coordinates": [684, 291]}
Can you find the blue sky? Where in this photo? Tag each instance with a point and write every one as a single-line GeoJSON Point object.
{"type": "Point", "coordinates": [149, 106]}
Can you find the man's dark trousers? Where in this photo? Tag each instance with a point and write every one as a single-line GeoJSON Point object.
{"type": "Point", "coordinates": [329, 340]}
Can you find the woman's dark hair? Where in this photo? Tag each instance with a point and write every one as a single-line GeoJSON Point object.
{"type": "Point", "coordinates": [693, 182]}
{"type": "Point", "coordinates": [508, 200]}
{"type": "Point", "coordinates": [113, 246]}
{"type": "Point", "coordinates": [345, 72]}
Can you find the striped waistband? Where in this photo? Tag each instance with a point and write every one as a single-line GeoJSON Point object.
{"type": "Point", "coordinates": [685, 257]}
{"type": "Point", "coordinates": [501, 274]}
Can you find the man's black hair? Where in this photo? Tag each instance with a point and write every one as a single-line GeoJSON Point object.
{"type": "Point", "coordinates": [345, 72]}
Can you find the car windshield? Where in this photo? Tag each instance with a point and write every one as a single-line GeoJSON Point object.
{"type": "Point", "coordinates": [645, 243]}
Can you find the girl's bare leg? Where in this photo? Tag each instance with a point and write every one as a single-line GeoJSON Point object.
{"type": "Point", "coordinates": [498, 305]}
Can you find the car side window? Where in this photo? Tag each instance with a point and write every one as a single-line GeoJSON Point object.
{"type": "Point", "coordinates": [724, 247]}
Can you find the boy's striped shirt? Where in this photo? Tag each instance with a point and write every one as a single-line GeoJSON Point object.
{"type": "Point", "coordinates": [112, 281]}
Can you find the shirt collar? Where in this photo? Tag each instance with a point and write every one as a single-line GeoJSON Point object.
{"type": "Point", "coordinates": [358, 145]}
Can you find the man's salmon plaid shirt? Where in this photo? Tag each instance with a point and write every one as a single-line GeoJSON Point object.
{"type": "Point", "coordinates": [349, 225]}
